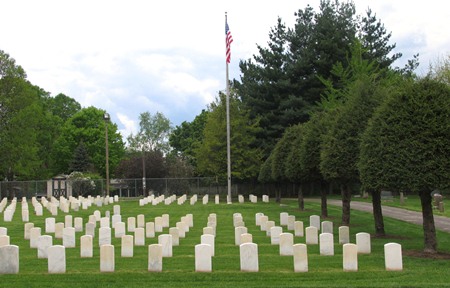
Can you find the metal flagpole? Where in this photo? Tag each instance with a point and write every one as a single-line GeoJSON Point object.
{"type": "Point", "coordinates": [228, 120]}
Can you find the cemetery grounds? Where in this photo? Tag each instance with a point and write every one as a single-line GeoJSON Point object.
{"type": "Point", "coordinates": [274, 270]}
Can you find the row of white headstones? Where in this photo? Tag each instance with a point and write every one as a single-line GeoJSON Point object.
{"type": "Point", "coordinates": [248, 249]}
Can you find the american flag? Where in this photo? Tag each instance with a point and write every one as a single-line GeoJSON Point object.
{"type": "Point", "coordinates": [228, 40]}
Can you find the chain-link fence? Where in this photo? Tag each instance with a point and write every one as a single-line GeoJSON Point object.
{"type": "Point", "coordinates": [135, 188]}
{"type": "Point", "coordinates": [120, 187]}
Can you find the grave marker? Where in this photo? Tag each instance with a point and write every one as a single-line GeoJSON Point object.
{"type": "Point", "coordinates": [248, 253]}
{"type": "Point", "coordinates": [56, 259]}
{"type": "Point", "coordinates": [300, 258]}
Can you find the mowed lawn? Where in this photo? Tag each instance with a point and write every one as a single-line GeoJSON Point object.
{"type": "Point", "coordinates": [274, 270]}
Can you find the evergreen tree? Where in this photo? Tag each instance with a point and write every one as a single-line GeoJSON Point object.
{"type": "Point", "coordinates": [81, 160]}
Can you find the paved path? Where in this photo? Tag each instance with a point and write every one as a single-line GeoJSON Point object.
{"type": "Point", "coordinates": [441, 223]}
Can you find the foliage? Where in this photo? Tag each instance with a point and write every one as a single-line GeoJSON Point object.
{"type": "Point", "coordinates": [283, 82]}
{"type": "Point", "coordinates": [131, 167]}
{"type": "Point", "coordinates": [81, 161]}
{"type": "Point", "coordinates": [88, 126]}
{"type": "Point", "coordinates": [211, 154]}
{"type": "Point", "coordinates": [153, 133]}
{"type": "Point", "coordinates": [440, 70]}
{"type": "Point", "coordinates": [293, 169]}
{"type": "Point", "coordinates": [407, 143]}
{"type": "Point", "coordinates": [185, 138]}
{"type": "Point", "coordinates": [264, 84]}
{"type": "Point", "coordinates": [62, 106]}
{"type": "Point", "coordinates": [81, 184]}
{"type": "Point", "coordinates": [9, 68]}
{"type": "Point", "coordinates": [280, 154]}
{"type": "Point", "coordinates": [20, 114]}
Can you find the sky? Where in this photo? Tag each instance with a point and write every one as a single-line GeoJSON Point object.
{"type": "Point", "coordinates": [133, 56]}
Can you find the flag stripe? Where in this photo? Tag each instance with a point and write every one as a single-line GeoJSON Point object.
{"type": "Point", "coordinates": [228, 41]}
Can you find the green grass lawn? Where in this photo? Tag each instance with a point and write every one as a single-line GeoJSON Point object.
{"type": "Point", "coordinates": [275, 270]}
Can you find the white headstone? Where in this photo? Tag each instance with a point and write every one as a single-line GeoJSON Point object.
{"type": "Point", "coordinates": [344, 235]}
{"type": "Point", "coordinates": [311, 235]}
{"type": "Point", "coordinates": [238, 231]}
{"type": "Point", "coordinates": [127, 246]}
{"type": "Point", "coordinates": [263, 221]}
{"type": "Point", "coordinates": [258, 218]}
{"type": "Point", "coordinates": [119, 229]}
{"type": "Point", "coordinates": [104, 236]}
{"type": "Point", "coordinates": [286, 244]}
{"type": "Point", "coordinates": [203, 262]}
{"type": "Point", "coordinates": [275, 233]}
{"type": "Point", "coordinates": [107, 263]}
{"type": "Point", "coordinates": [291, 223]}
{"type": "Point", "coordinates": [150, 229]}
{"type": "Point", "coordinates": [68, 221]}
{"type": "Point", "coordinates": [284, 218]}
{"type": "Point", "coordinates": [210, 240]}
{"type": "Point", "coordinates": [350, 257]}
{"type": "Point", "coordinates": [298, 229]}
{"type": "Point", "coordinates": [69, 237]}
{"type": "Point", "coordinates": [183, 227]}
{"type": "Point", "coordinates": [4, 231]}
{"type": "Point", "coordinates": [248, 253]}
{"type": "Point", "coordinates": [25, 215]}
{"type": "Point", "coordinates": [97, 215]}
{"type": "Point", "coordinates": [59, 227]}
{"type": "Point", "coordinates": [314, 221]}
{"type": "Point", "coordinates": [90, 229]}
{"type": "Point", "coordinates": [116, 209]}
{"type": "Point", "coordinates": [158, 224]}
{"type": "Point", "coordinates": [78, 224]}
{"type": "Point", "coordinates": [326, 244]}
{"type": "Point", "coordinates": [174, 231]}
{"type": "Point", "coordinates": [327, 227]}
{"type": "Point", "coordinates": [165, 220]}
{"type": "Point", "coordinates": [44, 242]}
{"type": "Point", "coordinates": [155, 258]}
{"type": "Point", "coordinates": [140, 221]}
{"type": "Point", "coordinates": [104, 222]}
{"type": "Point", "coordinates": [393, 257]}
{"type": "Point", "coordinates": [131, 224]}
{"type": "Point", "coordinates": [4, 240]}
{"type": "Point", "coordinates": [26, 232]}
{"type": "Point", "coordinates": [50, 225]}
{"type": "Point", "coordinates": [300, 258]}
{"type": "Point", "coordinates": [246, 238]}
{"type": "Point", "coordinates": [86, 246]}
{"type": "Point", "coordinates": [35, 232]}
{"type": "Point", "coordinates": [363, 242]}
{"type": "Point", "coordinates": [269, 225]}
{"type": "Point", "coordinates": [56, 259]}
{"type": "Point", "coordinates": [139, 236]}
{"type": "Point", "coordinates": [116, 218]}
{"type": "Point", "coordinates": [209, 230]}
{"type": "Point", "coordinates": [9, 259]}
{"type": "Point", "coordinates": [166, 242]}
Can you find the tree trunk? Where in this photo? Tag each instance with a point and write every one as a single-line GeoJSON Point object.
{"type": "Point", "coordinates": [301, 200]}
{"type": "Point", "coordinates": [323, 199]}
{"type": "Point", "coordinates": [346, 198]}
{"type": "Point", "coordinates": [429, 231]}
{"type": "Point", "coordinates": [278, 192]}
{"type": "Point", "coordinates": [377, 213]}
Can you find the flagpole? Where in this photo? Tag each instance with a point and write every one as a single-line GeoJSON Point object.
{"type": "Point", "coordinates": [228, 129]}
